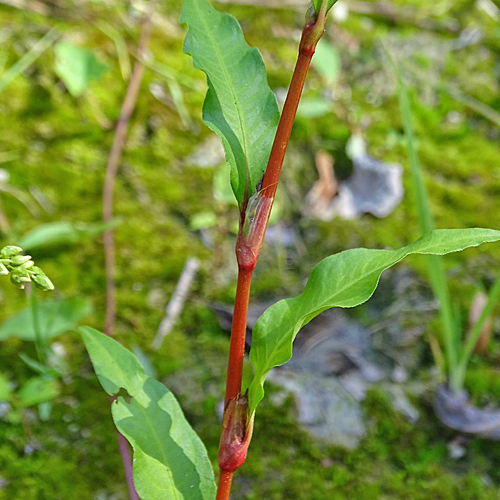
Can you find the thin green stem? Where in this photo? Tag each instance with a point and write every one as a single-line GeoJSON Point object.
{"type": "Point", "coordinates": [29, 58]}
{"type": "Point", "coordinates": [440, 287]}
{"type": "Point", "coordinates": [470, 343]}
{"type": "Point", "coordinates": [39, 342]}
{"type": "Point", "coordinates": [437, 272]}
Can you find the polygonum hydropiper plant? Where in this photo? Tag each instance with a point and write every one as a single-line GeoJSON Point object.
{"type": "Point", "coordinates": [170, 460]}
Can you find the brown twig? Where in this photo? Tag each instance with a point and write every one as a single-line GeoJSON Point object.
{"type": "Point", "coordinates": [107, 209]}
{"type": "Point", "coordinates": [112, 170]}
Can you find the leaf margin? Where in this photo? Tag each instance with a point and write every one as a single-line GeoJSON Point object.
{"type": "Point", "coordinates": [246, 168]}
{"type": "Point", "coordinates": [277, 312]}
{"type": "Point", "coordinates": [133, 385]}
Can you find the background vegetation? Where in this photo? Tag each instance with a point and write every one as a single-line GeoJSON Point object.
{"type": "Point", "coordinates": [54, 145]}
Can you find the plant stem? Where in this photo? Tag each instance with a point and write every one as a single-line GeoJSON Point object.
{"type": "Point", "coordinates": [29, 58]}
{"type": "Point", "coordinates": [112, 170]}
{"type": "Point", "coordinates": [436, 270]}
{"type": "Point", "coordinates": [224, 487]}
{"type": "Point", "coordinates": [127, 463]}
{"type": "Point", "coordinates": [107, 209]}
{"type": "Point", "coordinates": [238, 332]}
{"type": "Point", "coordinates": [39, 343]}
{"type": "Point", "coordinates": [248, 246]}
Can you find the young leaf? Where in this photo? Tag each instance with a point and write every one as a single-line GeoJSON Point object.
{"type": "Point", "coordinates": [314, 107]}
{"type": "Point", "coordinates": [37, 390]}
{"type": "Point", "coordinates": [62, 233]}
{"type": "Point", "coordinates": [345, 279]}
{"type": "Point", "coordinates": [170, 461]}
{"type": "Point", "coordinates": [326, 61]}
{"type": "Point", "coordinates": [5, 391]}
{"type": "Point", "coordinates": [54, 317]}
{"type": "Point", "coordinates": [77, 67]}
{"type": "Point", "coordinates": [329, 4]}
{"type": "Point", "coordinates": [239, 105]}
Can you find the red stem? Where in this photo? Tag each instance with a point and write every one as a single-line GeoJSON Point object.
{"type": "Point", "coordinates": [248, 246]}
{"type": "Point", "coordinates": [127, 465]}
{"type": "Point", "coordinates": [271, 177]}
{"type": "Point", "coordinates": [238, 331]}
{"type": "Point", "coordinates": [224, 487]}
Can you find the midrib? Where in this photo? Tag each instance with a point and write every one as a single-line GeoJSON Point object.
{"type": "Point", "coordinates": [239, 112]}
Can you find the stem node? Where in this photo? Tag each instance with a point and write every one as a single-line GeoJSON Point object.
{"type": "Point", "coordinates": [236, 434]}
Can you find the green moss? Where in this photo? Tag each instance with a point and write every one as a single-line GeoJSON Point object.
{"type": "Point", "coordinates": [62, 146]}
{"type": "Point", "coordinates": [411, 460]}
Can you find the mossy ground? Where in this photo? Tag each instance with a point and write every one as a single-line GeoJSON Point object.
{"type": "Point", "coordinates": [60, 144]}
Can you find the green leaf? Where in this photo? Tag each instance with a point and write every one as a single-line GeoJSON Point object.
{"type": "Point", "coordinates": [77, 67]}
{"type": "Point", "coordinates": [147, 467]}
{"type": "Point", "coordinates": [314, 107]}
{"type": "Point", "coordinates": [222, 185]}
{"type": "Point", "coordinates": [329, 4]}
{"type": "Point", "coordinates": [326, 61]}
{"type": "Point", "coordinates": [38, 390]}
{"type": "Point", "coordinates": [61, 233]}
{"type": "Point", "coordinates": [54, 316]}
{"type": "Point", "coordinates": [346, 279]}
{"type": "Point", "coordinates": [203, 220]}
{"type": "Point", "coordinates": [170, 461]}
{"type": "Point", "coordinates": [4, 388]}
{"type": "Point", "coordinates": [239, 105]}
{"type": "Point", "coordinates": [39, 367]}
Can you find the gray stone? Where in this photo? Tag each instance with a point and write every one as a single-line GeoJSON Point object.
{"type": "Point", "coordinates": [324, 407]}
{"type": "Point", "coordinates": [374, 187]}
{"type": "Point", "coordinates": [455, 411]}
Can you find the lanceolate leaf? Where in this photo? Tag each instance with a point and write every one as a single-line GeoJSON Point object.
{"type": "Point", "coordinates": [239, 106]}
{"type": "Point", "coordinates": [170, 461]}
{"type": "Point", "coordinates": [346, 279]}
